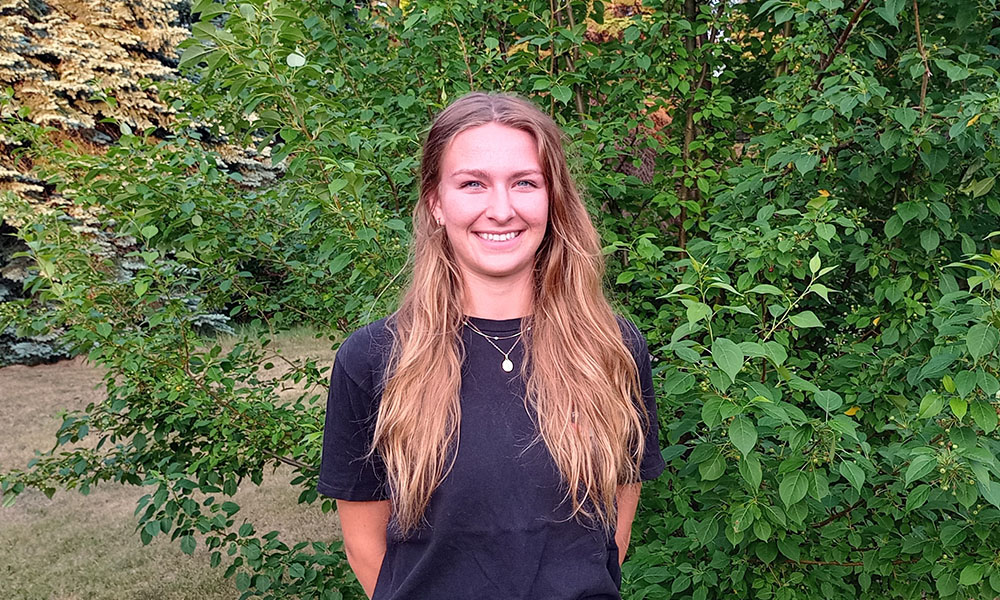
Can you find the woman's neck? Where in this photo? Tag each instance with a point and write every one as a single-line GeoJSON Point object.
{"type": "Point", "coordinates": [497, 299]}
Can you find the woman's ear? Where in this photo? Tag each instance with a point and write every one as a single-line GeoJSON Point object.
{"type": "Point", "coordinates": [436, 211]}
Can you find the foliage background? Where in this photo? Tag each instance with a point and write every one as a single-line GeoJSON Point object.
{"type": "Point", "coordinates": [798, 204]}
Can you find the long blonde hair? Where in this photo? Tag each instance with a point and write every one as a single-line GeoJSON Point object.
{"type": "Point", "coordinates": [583, 381]}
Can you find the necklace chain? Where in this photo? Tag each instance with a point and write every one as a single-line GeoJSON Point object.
{"type": "Point", "coordinates": [507, 365]}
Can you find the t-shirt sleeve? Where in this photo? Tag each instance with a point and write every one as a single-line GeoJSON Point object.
{"type": "Point", "coordinates": [651, 464]}
{"type": "Point", "coordinates": [347, 472]}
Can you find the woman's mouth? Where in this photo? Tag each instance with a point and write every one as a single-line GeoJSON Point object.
{"type": "Point", "coordinates": [498, 237]}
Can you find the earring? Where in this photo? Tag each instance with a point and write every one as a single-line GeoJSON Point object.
{"type": "Point", "coordinates": [440, 221]}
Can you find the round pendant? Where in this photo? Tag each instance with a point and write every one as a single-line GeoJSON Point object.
{"type": "Point", "coordinates": [507, 365]}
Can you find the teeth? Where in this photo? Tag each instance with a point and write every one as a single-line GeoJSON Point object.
{"type": "Point", "coordinates": [498, 237]}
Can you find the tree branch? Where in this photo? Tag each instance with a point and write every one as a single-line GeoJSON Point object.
{"type": "Point", "coordinates": [828, 59]}
{"type": "Point", "coordinates": [837, 515]}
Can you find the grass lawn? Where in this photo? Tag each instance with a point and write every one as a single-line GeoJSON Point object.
{"type": "Point", "coordinates": [85, 547]}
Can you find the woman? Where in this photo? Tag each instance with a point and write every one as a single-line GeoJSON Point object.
{"type": "Point", "coordinates": [488, 439]}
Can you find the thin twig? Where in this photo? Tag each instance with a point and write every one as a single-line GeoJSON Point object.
{"type": "Point", "coordinates": [465, 54]}
{"type": "Point", "coordinates": [923, 56]}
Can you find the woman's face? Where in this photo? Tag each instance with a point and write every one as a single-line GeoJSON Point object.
{"type": "Point", "coordinates": [492, 202]}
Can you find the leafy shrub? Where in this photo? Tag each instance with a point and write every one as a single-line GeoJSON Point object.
{"type": "Point", "coordinates": [798, 205]}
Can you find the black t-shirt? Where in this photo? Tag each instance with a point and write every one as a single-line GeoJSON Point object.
{"type": "Point", "coordinates": [498, 526]}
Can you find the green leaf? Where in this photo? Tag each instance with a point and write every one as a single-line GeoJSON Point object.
{"type": "Point", "coordinates": [929, 239]}
{"type": "Point", "coordinates": [952, 535]}
{"type": "Point", "coordinates": [988, 383]}
{"type": "Point", "coordinates": [908, 211]}
{"type": "Point", "coordinates": [946, 584]}
{"type": "Point", "coordinates": [819, 486]}
{"type": "Point", "coordinates": [727, 356]}
{"type": "Point", "coordinates": [877, 48]}
{"type": "Point", "coordinates": [743, 434]}
{"type": "Point", "coordinates": [766, 552]}
{"type": "Point", "coordinates": [979, 187]}
{"type": "Point", "coordinates": [822, 115]}
{"type": "Point", "coordinates": [750, 470]}
{"type": "Point", "coordinates": [793, 487]}
{"type": "Point", "coordinates": [984, 415]}
{"type": "Point", "coordinates": [765, 288]}
{"type": "Point", "coordinates": [193, 55]}
{"type": "Point", "coordinates": [965, 382]}
{"type": "Point", "coordinates": [806, 163]}
{"type": "Point", "coordinates": [677, 383]}
{"type": "Point", "coordinates": [893, 226]}
{"type": "Point", "coordinates": [242, 581]}
{"type": "Point", "coordinates": [921, 465]}
{"type": "Point", "coordinates": [917, 497]}
{"type": "Point", "coordinates": [707, 529]}
{"type": "Point", "coordinates": [680, 583]}
{"type": "Point", "coordinates": [814, 263]}
{"type": "Point", "coordinates": [906, 116]}
{"type": "Point", "coordinates": [959, 407]}
{"type": "Point", "coordinates": [697, 311]}
{"type": "Point", "coordinates": [339, 262]}
{"type": "Point", "coordinates": [790, 548]}
{"type": "Point", "coordinates": [828, 400]}
{"type": "Point", "coordinates": [853, 473]}
{"type": "Point", "coordinates": [930, 405]}
{"type": "Point", "coordinates": [742, 518]}
{"type": "Point", "coordinates": [971, 575]}
{"type": "Point", "coordinates": [981, 340]}
{"type": "Point", "coordinates": [188, 544]}
{"type": "Point", "coordinates": [762, 530]}
{"type": "Point", "coordinates": [713, 468]}
{"type": "Point", "coordinates": [990, 491]}
{"type": "Point", "coordinates": [825, 231]}
{"type": "Point", "coordinates": [937, 365]}
{"type": "Point", "coordinates": [936, 160]}
{"type": "Point", "coordinates": [805, 318]}
{"type": "Point", "coordinates": [149, 231]}
{"type": "Point", "coordinates": [776, 353]}
{"type": "Point", "coordinates": [562, 93]}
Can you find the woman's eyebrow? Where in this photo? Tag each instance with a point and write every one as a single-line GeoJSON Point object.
{"type": "Point", "coordinates": [479, 173]}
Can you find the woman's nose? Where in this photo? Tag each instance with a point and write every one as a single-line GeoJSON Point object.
{"type": "Point", "coordinates": [499, 207]}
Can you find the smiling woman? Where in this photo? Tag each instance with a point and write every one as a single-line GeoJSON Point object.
{"type": "Point", "coordinates": [453, 474]}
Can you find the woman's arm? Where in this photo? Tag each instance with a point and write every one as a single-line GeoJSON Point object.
{"type": "Point", "coordinates": [363, 525]}
{"type": "Point", "coordinates": [628, 501]}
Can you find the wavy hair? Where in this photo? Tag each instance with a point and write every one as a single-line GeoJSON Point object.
{"type": "Point", "coordinates": [582, 383]}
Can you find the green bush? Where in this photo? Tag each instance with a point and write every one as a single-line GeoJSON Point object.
{"type": "Point", "coordinates": [799, 208]}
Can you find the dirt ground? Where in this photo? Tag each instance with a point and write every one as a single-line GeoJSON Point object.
{"type": "Point", "coordinates": [85, 547]}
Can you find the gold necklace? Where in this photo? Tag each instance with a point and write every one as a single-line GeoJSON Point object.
{"type": "Point", "coordinates": [507, 365]}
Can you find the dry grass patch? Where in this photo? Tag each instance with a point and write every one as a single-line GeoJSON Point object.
{"type": "Point", "coordinates": [85, 547]}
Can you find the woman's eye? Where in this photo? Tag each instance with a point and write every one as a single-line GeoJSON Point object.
{"type": "Point", "coordinates": [526, 183]}
{"type": "Point", "coordinates": [471, 184]}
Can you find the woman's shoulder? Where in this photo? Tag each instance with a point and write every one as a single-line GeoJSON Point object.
{"type": "Point", "coordinates": [633, 337]}
{"type": "Point", "coordinates": [365, 353]}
